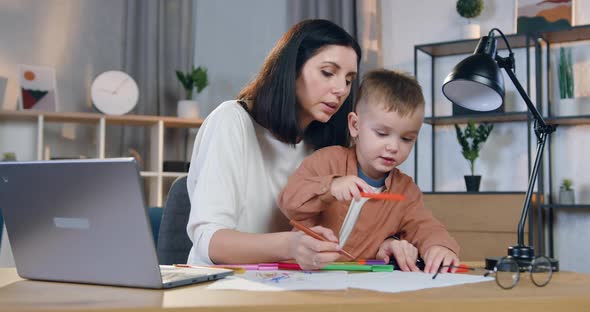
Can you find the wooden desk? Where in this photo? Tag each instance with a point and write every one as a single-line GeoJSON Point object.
{"type": "Point", "coordinates": [566, 292]}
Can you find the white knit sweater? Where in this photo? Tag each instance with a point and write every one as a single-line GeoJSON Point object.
{"type": "Point", "coordinates": [238, 169]}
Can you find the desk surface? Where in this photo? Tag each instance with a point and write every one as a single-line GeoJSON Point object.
{"type": "Point", "coordinates": [567, 292]}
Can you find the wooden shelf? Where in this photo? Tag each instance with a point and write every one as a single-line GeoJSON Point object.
{"type": "Point", "coordinates": [94, 118]}
{"type": "Point", "coordinates": [491, 117]}
{"type": "Point", "coordinates": [578, 33]}
{"type": "Point", "coordinates": [154, 174]}
{"type": "Point", "coordinates": [569, 120]}
{"type": "Point", "coordinates": [173, 174]}
{"type": "Point", "coordinates": [448, 48]}
{"type": "Point", "coordinates": [560, 206]}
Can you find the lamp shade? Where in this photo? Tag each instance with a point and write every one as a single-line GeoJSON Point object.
{"type": "Point", "coordinates": [476, 83]}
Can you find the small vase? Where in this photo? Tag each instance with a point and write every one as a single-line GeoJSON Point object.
{"type": "Point", "coordinates": [472, 183]}
{"type": "Point", "coordinates": [188, 109]}
{"type": "Point", "coordinates": [567, 197]}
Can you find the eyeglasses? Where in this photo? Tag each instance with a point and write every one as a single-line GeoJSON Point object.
{"type": "Point", "coordinates": [507, 271]}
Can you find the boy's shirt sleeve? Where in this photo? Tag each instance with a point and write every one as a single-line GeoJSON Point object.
{"type": "Point", "coordinates": [308, 189]}
{"type": "Point", "coordinates": [422, 229]}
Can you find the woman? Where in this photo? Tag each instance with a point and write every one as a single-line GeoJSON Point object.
{"type": "Point", "coordinates": [246, 150]}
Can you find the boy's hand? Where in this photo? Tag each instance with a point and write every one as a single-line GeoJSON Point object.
{"type": "Point", "coordinates": [349, 187]}
{"type": "Point", "coordinates": [405, 254]}
{"type": "Point", "coordinates": [437, 256]}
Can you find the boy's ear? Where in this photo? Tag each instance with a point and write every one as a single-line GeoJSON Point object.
{"type": "Point", "coordinates": [353, 124]}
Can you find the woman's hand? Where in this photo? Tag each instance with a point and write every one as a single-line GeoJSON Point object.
{"type": "Point", "coordinates": [437, 256]}
{"type": "Point", "coordinates": [349, 187]}
{"type": "Point", "coordinates": [313, 254]}
{"type": "Point", "coordinates": [405, 254]}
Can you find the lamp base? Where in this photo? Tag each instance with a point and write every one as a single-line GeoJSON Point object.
{"type": "Point", "coordinates": [523, 255]}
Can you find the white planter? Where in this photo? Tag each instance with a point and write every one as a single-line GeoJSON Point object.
{"type": "Point", "coordinates": [567, 197]}
{"type": "Point", "coordinates": [188, 109]}
{"type": "Point", "coordinates": [471, 31]}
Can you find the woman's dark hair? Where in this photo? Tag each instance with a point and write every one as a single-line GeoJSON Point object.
{"type": "Point", "coordinates": [273, 90]}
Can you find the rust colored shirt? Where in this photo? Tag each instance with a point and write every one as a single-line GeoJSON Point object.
{"type": "Point", "coordinates": [307, 198]}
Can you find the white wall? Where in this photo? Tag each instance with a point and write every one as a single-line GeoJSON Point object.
{"type": "Point", "coordinates": [232, 38]}
{"type": "Point", "coordinates": [503, 159]}
{"type": "Point", "coordinates": [80, 39]}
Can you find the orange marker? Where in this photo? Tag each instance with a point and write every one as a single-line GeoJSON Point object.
{"type": "Point", "coordinates": [315, 235]}
{"type": "Point", "coordinates": [384, 196]}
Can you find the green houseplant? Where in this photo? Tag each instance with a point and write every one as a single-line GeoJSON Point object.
{"type": "Point", "coordinates": [566, 193]}
{"type": "Point", "coordinates": [9, 156]}
{"type": "Point", "coordinates": [470, 9]}
{"type": "Point", "coordinates": [192, 80]}
{"type": "Point", "coordinates": [471, 140]}
{"type": "Point", "coordinates": [566, 76]}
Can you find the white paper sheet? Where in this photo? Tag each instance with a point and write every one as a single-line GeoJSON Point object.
{"type": "Point", "coordinates": [398, 281]}
{"type": "Point", "coordinates": [283, 280]}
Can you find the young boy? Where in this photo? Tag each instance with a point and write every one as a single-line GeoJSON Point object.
{"type": "Point", "coordinates": [384, 127]}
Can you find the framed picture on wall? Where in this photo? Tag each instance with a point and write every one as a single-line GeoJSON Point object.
{"type": "Point", "coordinates": [37, 88]}
{"type": "Point", "coordinates": [543, 15]}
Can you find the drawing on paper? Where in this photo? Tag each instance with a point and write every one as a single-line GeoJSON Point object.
{"type": "Point", "coordinates": [277, 277]}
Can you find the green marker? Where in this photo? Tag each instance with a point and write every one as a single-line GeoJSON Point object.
{"type": "Point", "coordinates": [348, 267]}
{"type": "Point", "coordinates": [382, 268]}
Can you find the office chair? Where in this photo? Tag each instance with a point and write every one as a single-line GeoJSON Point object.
{"type": "Point", "coordinates": [173, 242]}
{"type": "Point", "coordinates": [155, 214]}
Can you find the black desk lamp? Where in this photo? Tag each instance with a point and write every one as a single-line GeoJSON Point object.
{"type": "Point", "coordinates": [477, 83]}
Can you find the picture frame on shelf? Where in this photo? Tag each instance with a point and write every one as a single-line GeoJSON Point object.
{"type": "Point", "coordinates": [534, 16]}
{"type": "Point", "coordinates": [37, 88]}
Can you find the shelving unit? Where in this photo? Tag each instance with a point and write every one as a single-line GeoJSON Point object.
{"type": "Point", "coordinates": [451, 48]}
{"type": "Point", "coordinates": [154, 176]}
{"type": "Point", "coordinates": [538, 66]}
{"type": "Point", "coordinates": [501, 226]}
{"type": "Point", "coordinates": [576, 34]}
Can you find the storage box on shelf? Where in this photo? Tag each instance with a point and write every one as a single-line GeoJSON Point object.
{"type": "Point", "coordinates": [482, 223]}
{"type": "Point", "coordinates": [155, 175]}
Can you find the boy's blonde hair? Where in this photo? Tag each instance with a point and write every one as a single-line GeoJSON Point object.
{"type": "Point", "coordinates": [395, 90]}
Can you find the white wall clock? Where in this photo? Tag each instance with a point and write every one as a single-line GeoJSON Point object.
{"type": "Point", "coordinates": [114, 92]}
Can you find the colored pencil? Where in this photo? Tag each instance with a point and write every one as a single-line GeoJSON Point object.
{"type": "Point", "coordinates": [236, 269]}
{"type": "Point", "coordinates": [315, 235]}
{"type": "Point", "coordinates": [384, 196]}
{"type": "Point", "coordinates": [289, 266]}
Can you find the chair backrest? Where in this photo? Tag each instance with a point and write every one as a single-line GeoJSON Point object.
{"type": "Point", "coordinates": [155, 214]}
{"type": "Point", "coordinates": [173, 241]}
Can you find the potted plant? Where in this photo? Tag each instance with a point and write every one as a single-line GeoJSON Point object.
{"type": "Point", "coordinates": [9, 156]}
{"type": "Point", "coordinates": [471, 140]}
{"type": "Point", "coordinates": [195, 79]}
{"type": "Point", "coordinates": [470, 9]}
{"type": "Point", "coordinates": [566, 193]}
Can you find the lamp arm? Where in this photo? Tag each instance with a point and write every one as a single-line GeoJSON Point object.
{"type": "Point", "coordinates": [542, 130]}
{"type": "Point", "coordinates": [504, 63]}
{"type": "Point", "coordinates": [529, 193]}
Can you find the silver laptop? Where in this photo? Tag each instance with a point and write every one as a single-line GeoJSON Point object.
{"type": "Point", "coordinates": [85, 221]}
